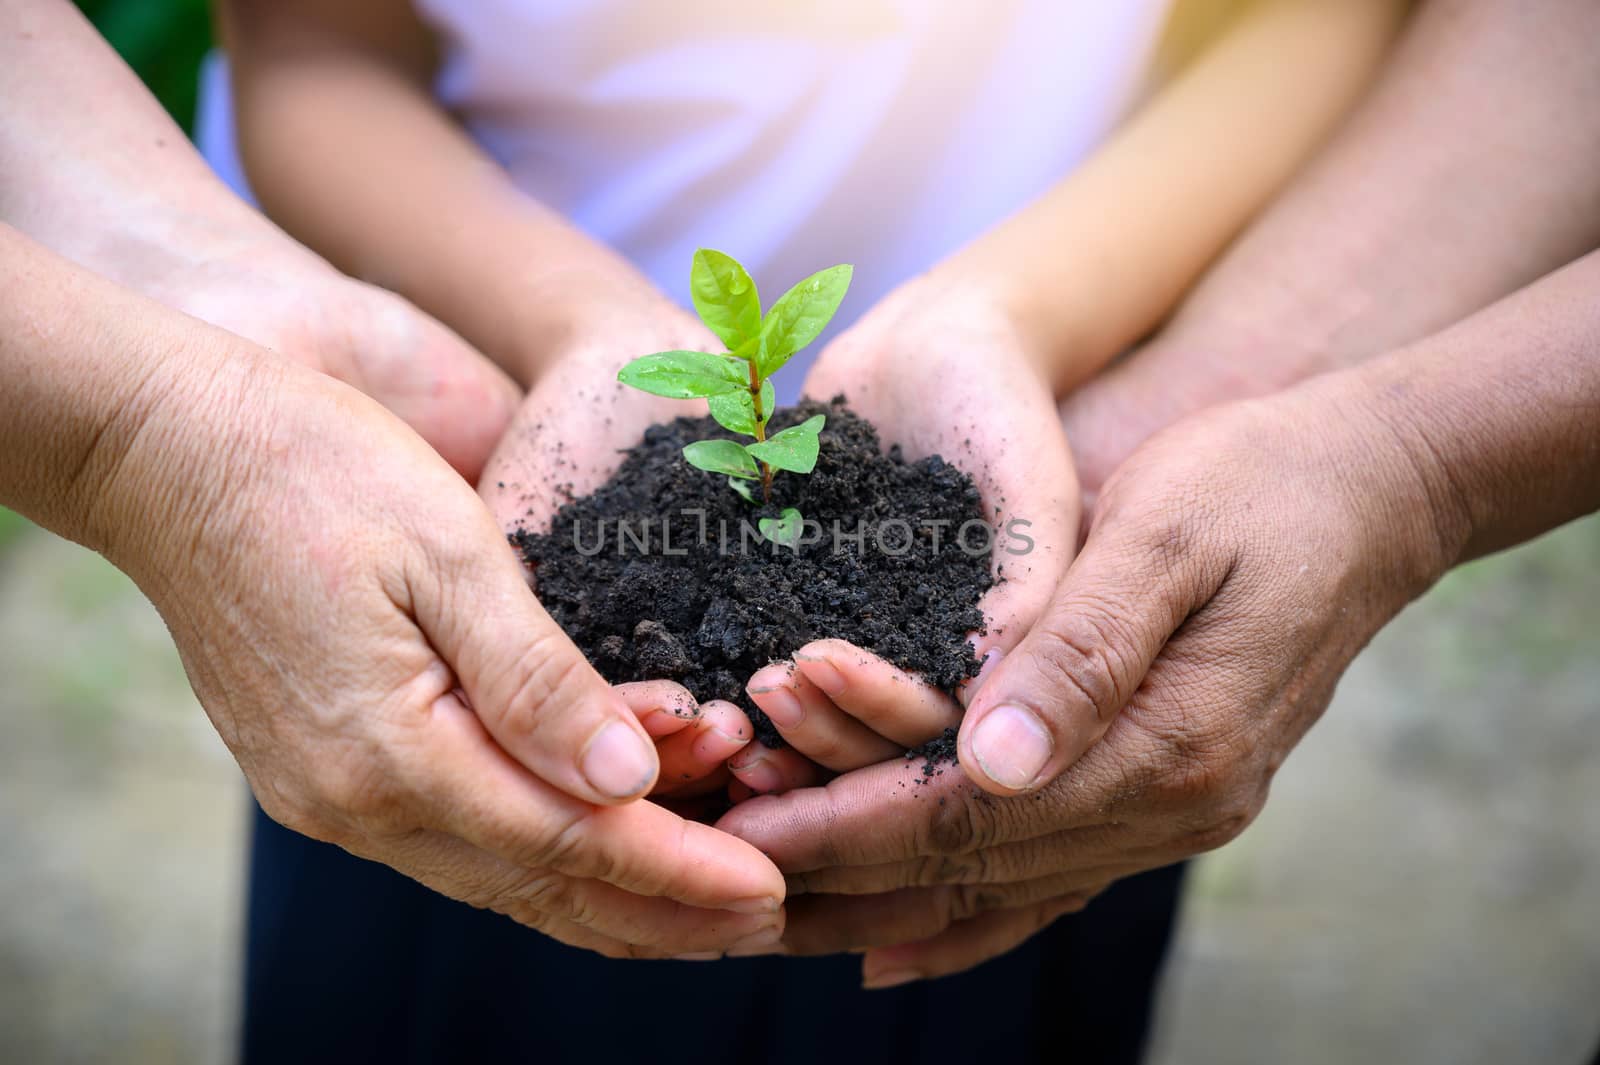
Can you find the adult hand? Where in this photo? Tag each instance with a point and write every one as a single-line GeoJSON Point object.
{"type": "Point", "coordinates": [939, 368]}
{"type": "Point", "coordinates": [1236, 564]}
{"type": "Point", "coordinates": [224, 264]}
{"type": "Point", "coordinates": [93, 168]}
{"type": "Point", "coordinates": [351, 620]}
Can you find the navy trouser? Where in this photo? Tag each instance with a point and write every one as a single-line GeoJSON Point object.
{"type": "Point", "coordinates": [349, 962]}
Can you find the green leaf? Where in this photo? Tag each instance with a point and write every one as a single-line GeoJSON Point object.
{"type": "Point", "coordinates": [785, 529]}
{"type": "Point", "coordinates": [725, 297]}
{"type": "Point", "coordinates": [799, 315]}
{"type": "Point", "coordinates": [743, 488]}
{"type": "Point", "coordinates": [722, 456]}
{"type": "Point", "coordinates": [685, 374]}
{"type": "Point", "coordinates": [794, 449]}
{"type": "Point", "coordinates": [734, 411]}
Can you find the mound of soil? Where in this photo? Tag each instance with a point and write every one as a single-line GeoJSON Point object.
{"type": "Point", "coordinates": [661, 573]}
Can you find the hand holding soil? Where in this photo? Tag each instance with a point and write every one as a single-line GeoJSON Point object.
{"type": "Point", "coordinates": [938, 370]}
{"type": "Point", "coordinates": [1220, 610]}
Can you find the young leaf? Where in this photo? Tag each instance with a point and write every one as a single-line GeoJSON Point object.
{"type": "Point", "coordinates": [685, 374]}
{"type": "Point", "coordinates": [785, 529]}
{"type": "Point", "coordinates": [794, 449]}
{"type": "Point", "coordinates": [722, 456]}
{"type": "Point", "coordinates": [725, 297]}
{"type": "Point", "coordinates": [799, 315]}
{"type": "Point", "coordinates": [734, 411]}
{"type": "Point", "coordinates": [743, 488]}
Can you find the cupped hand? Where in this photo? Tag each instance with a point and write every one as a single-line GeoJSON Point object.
{"type": "Point", "coordinates": [1236, 564]}
{"type": "Point", "coordinates": [568, 435]}
{"type": "Point", "coordinates": [245, 275]}
{"type": "Point", "coordinates": [939, 368]}
{"type": "Point", "coordinates": [353, 623]}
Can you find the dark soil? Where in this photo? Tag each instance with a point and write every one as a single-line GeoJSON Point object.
{"type": "Point", "coordinates": [711, 603]}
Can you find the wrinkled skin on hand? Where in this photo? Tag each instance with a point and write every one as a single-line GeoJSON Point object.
{"type": "Point", "coordinates": [939, 369]}
{"type": "Point", "coordinates": [246, 276]}
{"type": "Point", "coordinates": [355, 627]}
{"type": "Point", "coordinates": [1236, 563]}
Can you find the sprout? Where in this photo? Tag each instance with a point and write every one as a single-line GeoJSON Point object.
{"type": "Point", "coordinates": [737, 383]}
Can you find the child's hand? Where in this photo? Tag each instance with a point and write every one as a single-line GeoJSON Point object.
{"type": "Point", "coordinates": [939, 369]}
{"type": "Point", "coordinates": [693, 740]}
{"type": "Point", "coordinates": [839, 708]}
{"type": "Point", "coordinates": [568, 436]}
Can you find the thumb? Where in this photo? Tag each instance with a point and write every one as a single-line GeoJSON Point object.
{"type": "Point", "coordinates": [529, 684]}
{"type": "Point", "coordinates": [1051, 698]}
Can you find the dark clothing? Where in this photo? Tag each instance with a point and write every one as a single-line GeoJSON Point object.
{"type": "Point", "coordinates": [349, 962]}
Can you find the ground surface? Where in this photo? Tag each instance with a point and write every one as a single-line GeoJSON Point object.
{"type": "Point", "coordinates": [1423, 887]}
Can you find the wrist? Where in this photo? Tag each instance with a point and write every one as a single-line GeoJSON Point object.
{"type": "Point", "coordinates": [1413, 520]}
{"type": "Point", "coordinates": [1045, 309]}
{"type": "Point", "coordinates": [568, 313]}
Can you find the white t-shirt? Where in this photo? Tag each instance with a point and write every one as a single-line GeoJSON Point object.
{"type": "Point", "coordinates": [792, 134]}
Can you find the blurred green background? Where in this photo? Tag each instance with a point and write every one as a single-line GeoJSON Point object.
{"type": "Point", "coordinates": [1424, 886]}
{"type": "Point", "coordinates": [162, 40]}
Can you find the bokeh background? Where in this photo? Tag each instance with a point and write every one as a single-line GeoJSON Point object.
{"type": "Point", "coordinates": [1424, 886]}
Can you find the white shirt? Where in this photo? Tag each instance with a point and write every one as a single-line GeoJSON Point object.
{"type": "Point", "coordinates": [792, 134]}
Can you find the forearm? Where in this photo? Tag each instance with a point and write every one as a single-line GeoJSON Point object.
{"type": "Point", "coordinates": [107, 397]}
{"type": "Point", "coordinates": [90, 165]}
{"type": "Point", "coordinates": [1499, 416]}
{"type": "Point", "coordinates": [1103, 257]}
{"type": "Point", "coordinates": [347, 148]}
{"type": "Point", "coordinates": [1467, 174]}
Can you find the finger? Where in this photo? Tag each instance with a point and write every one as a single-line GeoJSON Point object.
{"type": "Point", "coordinates": [682, 796]}
{"type": "Point", "coordinates": [662, 706]}
{"type": "Point", "coordinates": [901, 811]}
{"type": "Point", "coordinates": [807, 718]}
{"type": "Point", "coordinates": [892, 703]}
{"type": "Point", "coordinates": [456, 400]}
{"type": "Point", "coordinates": [551, 901]}
{"type": "Point", "coordinates": [1052, 697]}
{"type": "Point", "coordinates": [965, 943]}
{"type": "Point", "coordinates": [698, 751]}
{"type": "Point", "coordinates": [1082, 852]}
{"type": "Point", "coordinates": [827, 924]}
{"type": "Point", "coordinates": [764, 771]}
{"type": "Point", "coordinates": [467, 786]}
{"type": "Point", "coordinates": [1031, 498]}
{"type": "Point", "coordinates": [532, 688]}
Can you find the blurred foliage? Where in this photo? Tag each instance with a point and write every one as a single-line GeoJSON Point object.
{"type": "Point", "coordinates": [11, 526]}
{"type": "Point", "coordinates": [163, 41]}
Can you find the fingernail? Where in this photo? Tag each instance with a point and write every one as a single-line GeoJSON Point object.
{"type": "Point", "coordinates": [739, 738]}
{"type": "Point", "coordinates": [821, 672]}
{"type": "Point", "coordinates": [760, 776]}
{"type": "Point", "coordinates": [618, 762]}
{"type": "Point", "coordinates": [754, 904]}
{"type": "Point", "coordinates": [1012, 746]}
{"type": "Point", "coordinates": [782, 707]}
{"type": "Point", "coordinates": [703, 955]}
{"type": "Point", "coordinates": [892, 978]}
{"type": "Point", "coordinates": [756, 943]}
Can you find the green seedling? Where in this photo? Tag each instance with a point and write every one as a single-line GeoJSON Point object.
{"type": "Point", "coordinates": [737, 383]}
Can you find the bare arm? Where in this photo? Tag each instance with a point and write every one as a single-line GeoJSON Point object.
{"type": "Point", "coordinates": [1103, 257]}
{"type": "Point", "coordinates": [92, 168]}
{"type": "Point", "coordinates": [1468, 173]}
{"type": "Point", "coordinates": [348, 149]}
